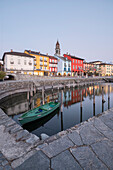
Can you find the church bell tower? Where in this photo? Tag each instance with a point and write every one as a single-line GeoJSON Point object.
{"type": "Point", "coordinates": [57, 49]}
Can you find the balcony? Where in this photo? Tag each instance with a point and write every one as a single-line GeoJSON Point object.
{"type": "Point", "coordinates": [45, 60]}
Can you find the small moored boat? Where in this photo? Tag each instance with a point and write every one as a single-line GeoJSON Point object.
{"type": "Point", "coordinates": [38, 113]}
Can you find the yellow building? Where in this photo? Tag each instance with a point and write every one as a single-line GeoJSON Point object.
{"type": "Point", "coordinates": [41, 63]}
{"type": "Point", "coordinates": [106, 69]}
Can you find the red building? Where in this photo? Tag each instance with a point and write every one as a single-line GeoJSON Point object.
{"type": "Point", "coordinates": [53, 63]}
{"type": "Point", "coordinates": [76, 64]}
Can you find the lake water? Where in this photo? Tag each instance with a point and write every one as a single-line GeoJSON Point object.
{"type": "Point", "coordinates": [68, 115]}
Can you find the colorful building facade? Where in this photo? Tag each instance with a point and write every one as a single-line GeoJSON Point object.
{"type": "Point", "coordinates": [41, 63]}
{"type": "Point", "coordinates": [64, 66]}
{"type": "Point", "coordinates": [106, 69]}
{"type": "Point", "coordinates": [76, 64]}
{"type": "Point", "coordinates": [53, 64]}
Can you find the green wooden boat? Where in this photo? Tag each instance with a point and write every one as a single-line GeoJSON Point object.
{"type": "Point", "coordinates": [38, 113]}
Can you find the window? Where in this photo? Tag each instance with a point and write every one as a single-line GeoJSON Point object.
{"type": "Point", "coordinates": [76, 61]}
{"type": "Point", "coordinates": [50, 68]}
{"type": "Point", "coordinates": [30, 63]}
{"type": "Point", "coordinates": [41, 58]}
{"type": "Point", "coordinates": [73, 60]}
{"type": "Point", "coordinates": [24, 62]}
{"type": "Point", "coordinates": [73, 67]}
{"type": "Point", "coordinates": [11, 61]}
{"type": "Point", "coordinates": [40, 67]}
{"type": "Point", "coordinates": [50, 60]}
{"type": "Point", "coordinates": [76, 67]}
{"type": "Point", "coordinates": [45, 59]}
{"type": "Point", "coordinates": [18, 61]}
{"type": "Point", "coordinates": [81, 62]}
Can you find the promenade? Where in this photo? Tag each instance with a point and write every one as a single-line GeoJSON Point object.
{"type": "Point", "coordinates": [88, 145]}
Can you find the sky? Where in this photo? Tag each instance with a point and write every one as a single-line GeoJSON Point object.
{"type": "Point", "coordinates": [84, 28]}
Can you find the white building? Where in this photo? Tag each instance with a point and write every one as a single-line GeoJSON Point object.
{"type": "Point", "coordinates": [16, 62]}
{"type": "Point", "coordinates": [64, 66]}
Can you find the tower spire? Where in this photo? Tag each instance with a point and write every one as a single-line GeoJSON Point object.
{"type": "Point", "coordinates": [57, 49]}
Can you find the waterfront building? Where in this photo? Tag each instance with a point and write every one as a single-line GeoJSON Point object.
{"type": "Point", "coordinates": [96, 65]}
{"type": "Point", "coordinates": [1, 65]}
{"type": "Point", "coordinates": [64, 65]}
{"type": "Point", "coordinates": [106, 69]}
{"type": "Point", "coordinates": [53, 66]}
{"type": "Point", "coordinates": [89, 68]}
{"type": "Point", "coordinates": [76, 64]}
{"type": "Point", "coordinates": [41, 63]}
{"type": "Point", "coordinates": [17, 62]}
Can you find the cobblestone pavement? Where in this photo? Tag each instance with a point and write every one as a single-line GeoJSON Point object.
{"type": "Point", "coordinates": [4, 164]}
{"type": "Point", "coordinates": [88, 145]}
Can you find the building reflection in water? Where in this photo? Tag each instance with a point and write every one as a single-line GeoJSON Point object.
{"type": "Point", "coordinates": [69, 97]}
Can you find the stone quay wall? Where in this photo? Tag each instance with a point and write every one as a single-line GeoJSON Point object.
{"type": "Point", "coordinates": [11, 87]}
{"type": "Point", "coordinates": [16, 86]}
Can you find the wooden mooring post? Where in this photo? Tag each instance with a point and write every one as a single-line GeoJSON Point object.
{"type": "Point", "coordinates": [31, 90]}
{"type": "Point", "coordinates": [43, 96]}
{"type": "Point", "coordinates": [62, 110]}
{"type": "Point", "coordinates": [103, 99]}
{"type": "Point", "coordinates": [81, 106]}
{"type": "Point", "coordinates": [28, 95]}
{"type": "Point", "coordinates": [93, 101]}
{"type": "Point", "coordinates": [108, 96]}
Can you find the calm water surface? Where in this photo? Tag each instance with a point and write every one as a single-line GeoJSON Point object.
{"type": "Point", "coordinates": [68, 115]}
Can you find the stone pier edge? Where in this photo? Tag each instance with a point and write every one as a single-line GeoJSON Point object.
{"type": "Point", "coordinates": [29, 141]}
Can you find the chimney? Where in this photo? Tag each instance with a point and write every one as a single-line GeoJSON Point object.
{"type": "Point", "coordinates": [39, 52]}
{"type": "Point", "coordinates": [11, 50]}
{"type": "Point", "coordinates": [47, 54]}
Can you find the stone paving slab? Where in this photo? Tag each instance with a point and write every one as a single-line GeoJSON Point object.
{"type": "Point", "coordinates": [64, 161]}
{"type": "Point", "coordinates": [4, 164]}
{"type": "Point", "coordinates": [104, 151]}
{"type": "Point", "coordinates": [38, 161]}
{"type": "Point", "coordinates": [90, 134]}
{"type": "Point", "coordinates": [87, 159]}
{"type": "Point", "coordinates": [75, 137]}
{"type": "Point", "coordinates": [57, 146]}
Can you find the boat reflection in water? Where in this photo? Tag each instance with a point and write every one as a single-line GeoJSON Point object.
{"type": "Point", "coordinates": [38, 123]}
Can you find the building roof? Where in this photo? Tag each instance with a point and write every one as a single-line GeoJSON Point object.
{"type": "Point", "coordinates": [63, 58]}
{"type": "Point", "coordinates": [106, 64]}
{"type": "Point", "coordinates": [36, 53]}
{"type": "Point", "coordinates": [95, 61]}
{"type": "Point", "coordinates": [85, 62]}
{"type": "Point", "coordinates": [51, 57]}
{"type": "Point", "coordinates": [57, 43]}
{"type": "Point", "coordinates": [74, 57]}
{"type": "Point", "coordinates": [17, 53]}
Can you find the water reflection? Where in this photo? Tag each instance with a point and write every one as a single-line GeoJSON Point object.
{"type": "Point", "coordinates": [77, 105]}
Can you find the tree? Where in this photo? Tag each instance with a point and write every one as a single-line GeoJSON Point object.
{"type": "Point", "coordinates": [2, 75]}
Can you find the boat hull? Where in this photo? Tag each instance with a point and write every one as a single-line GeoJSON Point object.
{"type": "Point", "coordinates": [31, 119]}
